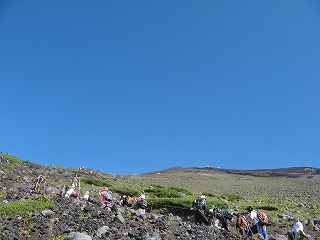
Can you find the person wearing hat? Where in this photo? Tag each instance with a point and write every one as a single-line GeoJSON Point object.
{"type": "Point", "coordinates": [256, 226]}
{"type": "Point", "coordinates": [40, 179]}
{"type": "Point", "coordinates": [297, 231]}
{"type": "Point", "coordinates": [72, 192]}
{"type": "Point", "coordinates": [141, 203]}
{"type": "Point", "coordinates": [200, 205]}
{"type": "Point", "coordinates": [75, 180]}
{"type": "Point", "coordinates": [86, 196]}
{"type": "Point", "coordinates": [242, 224]}
{"type": "Point", "coordinates": [106, 194]}
{"type": "Point", "coordinates": [212, 217]}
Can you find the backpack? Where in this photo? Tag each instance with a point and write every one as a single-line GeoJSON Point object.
{"type": "Point", "coordinates": [128, 201]}
{"type": "Point", "coordinates": [142, 203]}
{"type": "Point", "coordinates": [108, 195]}
{"type": "Point", "coordinates": [242, 222]}
{"type": "Point", "coordinates": [76, 192]}
{"type": "Point", "coordinates": [228, 215]}
{"type": "Point", "coordinates": [262, 218]}
{"type": "Point", "coordinates": [200, 203]}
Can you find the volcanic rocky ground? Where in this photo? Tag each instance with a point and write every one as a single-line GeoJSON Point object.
{"type": "Point", "coordinates": [93, 220]}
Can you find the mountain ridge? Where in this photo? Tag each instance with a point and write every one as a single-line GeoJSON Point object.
{"type": "Point", "coordinates": [289, 171]}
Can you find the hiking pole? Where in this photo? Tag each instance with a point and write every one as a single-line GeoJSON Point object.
{"type": "Point", "coordinates": [79, 189]}
{"type": "Point", "coordinates": [44, 182]}
{"type": "Point", "coordinates": [249, 228]}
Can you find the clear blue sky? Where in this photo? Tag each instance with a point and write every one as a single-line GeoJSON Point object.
{"type": "Point", "coordinates": [137, 86]}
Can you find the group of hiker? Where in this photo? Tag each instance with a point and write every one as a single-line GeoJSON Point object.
{"type": "Point", "coordinates": [105, 195]}
{"type": "Point", "coordinates": [2, 159]}
{"type": "Point", "coordinates": [248, 223]}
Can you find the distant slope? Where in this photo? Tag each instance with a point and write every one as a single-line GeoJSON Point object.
{"type": "Point", "coordinates": [283, 172]}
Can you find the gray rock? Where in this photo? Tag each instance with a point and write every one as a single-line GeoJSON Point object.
{"type": "Point", "coordinates": [278, 237]}
{"type": "Point", "coordinates": [52, 191]}
{"type": "Point", "coordinates": [47, 212]}
{"type": "Point", "coordinates": [153, 236]}
{"type": "Point", "coordinates": [77, 236]}
{"type": "Point", "coordinates": [27, 179]}
{"type": "Point", "coordinates": [153, 218]}
{"type": "Point", "coordinates": [120, 219]}
{"type": "Point", "coordinates": [102, 231]}
{"type": "Point", "coordinates": [140, 212]}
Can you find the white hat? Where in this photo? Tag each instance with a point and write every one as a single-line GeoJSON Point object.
{"type": "Point", "coordinates": [143, 196]}
{"type": "Point", "coordinates": [203, 197]}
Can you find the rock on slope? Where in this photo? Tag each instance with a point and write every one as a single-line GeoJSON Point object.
{"type": "Point", "coordinates": [82, 220]}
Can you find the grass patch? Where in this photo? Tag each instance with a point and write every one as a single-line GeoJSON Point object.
{"type": "Point", "coordinates": [13, 159]}
{"type": "Point", "coordinates": [95, 182]}
{"type": "Point", "coordinates": [166, 192]}
{"type": "Point", "coordinates": [125, 190]}
{"type": "Point", "coordinates": [233, 197]}
{"type": "Point", "coordinates": [22, 207]}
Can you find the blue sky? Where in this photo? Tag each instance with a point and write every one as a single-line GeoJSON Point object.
{"type": "Point", "coordinates": [137, 86]}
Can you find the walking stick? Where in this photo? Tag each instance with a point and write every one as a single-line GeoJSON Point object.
{"type": "Point", "coordinates": [79, 189]}
{"type": "Point", "coordinates": [44, 183]}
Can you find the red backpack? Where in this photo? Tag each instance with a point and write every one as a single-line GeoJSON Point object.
{"type": "Point", "coordinates": [76, 192]}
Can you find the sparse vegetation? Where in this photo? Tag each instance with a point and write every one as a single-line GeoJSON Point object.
{"type": "Point", "coordinates": [22, 207]}
{"type": "Point", "coordinates": [166, 192]}
{"type": "Point", "coordinates": [125, 190]}
{"type": "Point", "coordinates": [96, 182]}
{"type": "Point", "coordinates": [174, 191]}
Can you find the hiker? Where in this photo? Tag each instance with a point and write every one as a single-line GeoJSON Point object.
{"type": "Point", "coordinates": [64, 190]}
{"type": "Point", "coordinates": [297, 231]}
{"type": "Point", "coordinates": [1, 157]}
{"type": "Point", "coordinates": [75, 180]}
{"type": "Point", "coordinates": [126, 200]}
{"type": "Point", "coordinates": [212, 217]}
{"type": "Point", "coordinates": [199, 206]}
{"type": "Point", "coordinates": [40, 179]}
{"type": "Point", "coordinates": [243, 225]}
{"type": "Point", "coordinates": [86, 196]}
{"type": "Point", "coordinates": [141, 203]}
{"type": "Point", "coordinates": [224, 217]}
{"type": "Point", "coordinates": [106, 194]}
{"type": "Point", "coordinates": [258, 224]}
{"type": "Point", "coordinates": [72, 193]}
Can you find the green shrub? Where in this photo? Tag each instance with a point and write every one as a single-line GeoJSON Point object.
{"type": "Point", "coordinates": [208, 194]}
{"type": "Point", "coordinates": [22, 207]}
{"type": "Point", "coordinates": [95, 182]}
{"type": "Point", "coordinates": [233, 197]}
{"type": "Point", "coordinates": [13, 159]}
{"type": "Point", "coordinates": [125, 190]}
{"type": "Point", "coordinates": [165, 192]}
{"type": "Point", "coordinates": [172, 202]}
{"type": "Point", "coordinates": [268, 208]}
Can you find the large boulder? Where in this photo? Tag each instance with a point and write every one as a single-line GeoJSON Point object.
{"type": "Point", "coordinates": [52, 191]}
